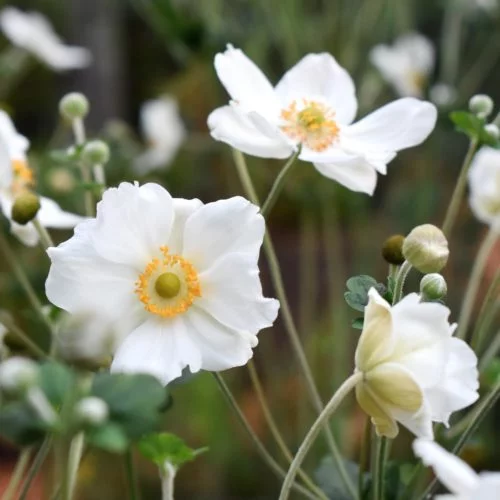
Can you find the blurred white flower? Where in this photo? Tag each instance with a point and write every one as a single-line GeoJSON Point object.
{"type": "Point", "coordinates": [314, 105]}
{"type": "Point", "coordinates": [456, 475]}
{"type": "Point", "coordinates": [16, 177]}
{"type": "Point", "coordinates": [443, 95]}
{"type": "Point", "coordinates": [484, 184]}
{"type": "Point", "coordinates": [164, 132]}
{"type": "Point", "coordinates": [414, 371]}
{"type": "Point", "coordinates": [178, 279]}
{"type": "Point", "coordinates": [33, 33]}
{"type": "Point", "coordinates": [407, 64]}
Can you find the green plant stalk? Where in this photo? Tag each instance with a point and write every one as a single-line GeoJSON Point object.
{"type": "Point", "coordinates": [133, 485]}
{"type": "Point", "coordinates": [290, 324]}
{"type": "Point", "coordinates": [400, 281]}
{"type": "Point", "coordinates": [35, 467]}
{"type": "Point", "coordinates": [265, 455]}
{"type": "Point", "coordinates": [450, 42]}
{"type": "Point", "coordinates": [80, 138]}
{"type": "Point", "coordinates": [474, 282]}
{"type": "Point", "coordinates": [458, 193]}
{"type": "Point", "coordinates": [322, 420]}
{"type": "Point", "coordinates": [379, 468]}
{"type": "Point", "coordinates": [17, 474]}
{"type": "Point", "coordinates": [45, 238]}
{"type": "Point", "coordinates": [75, 455]}
{"type": "Point", "coordinates": [167, 475]}
{"type": "Point", "coordinates": [490, 353]}
{"type": "Point", "coordinates": [365, 453]}
{"type": "Point", "coordinates": [34, 348]}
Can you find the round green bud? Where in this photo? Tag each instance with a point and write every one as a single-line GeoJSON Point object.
{"type": "Point", "coordinates": [96, 153]}
{"type": "Point", "coordinates": [492, 130]}
{"type": "Point", "coordinates": [426, 249]}
{"type": "Point", "coordinates": [25, 208]}
{"type": "Point", "coordinates": [433, 287]}
{"type": "Point", "coordinates": [481, 105]}
{"type": "Point", "coordinates": [167, 285]}
{"type": "Point", "coordinates": [18, 375]}
{"type": "Point", "coordinates": [392, 249]}
{"type": "Point", "coordinates": [74, 106]}
{"type": "Point", "coordinates": [92, 411]}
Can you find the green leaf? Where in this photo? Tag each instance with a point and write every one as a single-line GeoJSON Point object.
{"type": "Point", "coordinates": [165, 447]}
{"type": "Point", "coordinates": [329, 480]}
{"type": "Point", "coordinates": [20, 424]}
{"type": "Point", "coordinates": [358, 287]}
{"type": "Point", "coordinates": [56, 381]}
{"type": "Point", "coordinates": [358, 323]}
{"type": "Point", "coordinates": [110, 437]}
{"type": "Point", "coordinates": [468, 123]}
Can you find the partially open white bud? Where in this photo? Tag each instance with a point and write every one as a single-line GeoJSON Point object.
{"type": "Point", "coordinates": [74, 106]}
{"type": "Point", "coordinates": [18, 375]}
{"type": "Point", "coordinates": [492, 130]}
{"type": "Point", "coordinates": [92, 411]}
{"type": "Point", "coordinates": [481, 105]}
{"type": "Point", "coordinates": [96, 153]}
{"type": "Point", "coordinates": [426, 249]}
{"type": "Point", "coordinates": [433, 287]}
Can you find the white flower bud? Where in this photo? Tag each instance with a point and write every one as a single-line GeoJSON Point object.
{"type": "Point", "coordinates": [492, 130]}
{"type": "Point", "coordinates": [426, 249]}
{"type": "Point", "coordinates": [18, 374]}
{"type": "Point", "coordinates": [96, 153]}
{"type": "Point", "coordinates": [92, 411]}
{"type": "Point", "coordinates": [74, 106]}
{"type": "Point", "coordinates": [433, 287]}
{"type": "Point", "coordinates": [25, 208]}
{"type": "Point", "coordinates": [481, 105]}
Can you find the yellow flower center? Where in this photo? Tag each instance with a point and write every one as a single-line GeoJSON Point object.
{"type": "Point", "coordinates": [24, 177]}
{"type": "Point", "coordinates": [168, 286]}
{"type": "Point", "coordinates": [313, 125]}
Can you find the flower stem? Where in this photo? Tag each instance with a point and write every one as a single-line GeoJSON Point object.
{"type": "Point", "coordinates": [265, 455]}
{"type": "Point", "coordinates": [45, 238]}
{"type": "Point", "coordinates": [315, 429]}
{"type": "Point", "coordinates": [290, 326]}
{"type": "Point", "coordinates": [23, 337]}
{"type": "Point", "coordinates": [35, 467]}
{"type": "Point", "coordinates": [80, 137]}
{"type": "Point", "coordinates": [474, 282]}
{"type": "Point", "coordinates": [167, 476]}
{"type": "Point", "coordinates": [378, 476]}
{"type": "Point", "coordinates": [17, 474]}
{"type": "Point", "coordinates": [75, 455]}
{"type": "Point", "coordinates": [133, 486]}
{"type": "Point", "coordinates": [278, 185]}
{"type": "Point", "coordinates": [490, 353]}
{"type": "Point", "coordinates": [400, 281]}
{"type": "Point", "coordinates": [458, 193]}
{"type": "Point", "coordinates": [363, 457]}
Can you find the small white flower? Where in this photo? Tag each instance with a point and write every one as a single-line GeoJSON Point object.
{"type": "Point", "coordinates": [314, 105]}
{"type": "Point", "coordinates": [484, 184]}
{"type": "Point", "coordinates": [33, 33]}
{"type": "Point", "coordinates": [407, 64]}
{"type": "Point", "coordinates": [164, 132]}
{"type": "Point", "coordinates": [17, 177]}
{"type": "Point", "coordinates": [415, 371]}
{"type": "Point", "coordinates": [456, 475]}
{"type": "Point", "coordinates": [178, 279]}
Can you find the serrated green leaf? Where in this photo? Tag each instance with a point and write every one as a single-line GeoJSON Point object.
{"type": "Point", "coordinates": [358, 288]}
{"type": "Point", "coordinates": [56, 381]}
{"type": "Point", "coordinates": [109, 437]}
{"type": "Point", "coordinates": [20, 424]}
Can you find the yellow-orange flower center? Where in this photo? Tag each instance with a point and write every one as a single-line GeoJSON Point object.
{"type": "Point", "coordinates": [24, 177]}
{"type": "Point", "coordinates": [312, 125]}
{"type": "Point", "coordinates": [168, 286]}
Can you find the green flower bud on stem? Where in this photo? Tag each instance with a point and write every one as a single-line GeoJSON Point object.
{"type": "Point", "coordinates": [481, 105]}
{"type": "Point", "coordinates": [92, 411]}
{"type": "Point", "coordinates": [96, 153]}
{"type": "Point", "coordinates": [392, 250]}
{"type": "Point", "coordinates": [18, 375]}
{"type": "Point", "coordinates": [74, 106]}
{"type": "Point", "coordinates": [492, 130]}
{"type": "Point", "coordinates": [25, 208]}
{"type": "Point", "coordinates": [433, 287]}
{"type": "Point", "coordinates": [426, 249]}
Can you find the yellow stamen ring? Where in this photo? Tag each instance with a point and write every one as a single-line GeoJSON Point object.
{"type": "Point", "coordinates": [23, 176]}
{"type": "Point", "coordinates": [168, 286]}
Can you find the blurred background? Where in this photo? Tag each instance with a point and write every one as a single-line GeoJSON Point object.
{"type": "Point", "coordinates": [324, 233]}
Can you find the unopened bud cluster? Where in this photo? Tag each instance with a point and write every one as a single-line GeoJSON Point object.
{"type": "Point", "coordinates": [481, 105]}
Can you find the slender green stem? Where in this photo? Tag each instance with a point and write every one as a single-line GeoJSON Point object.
{"type": "Point", "coordinates": [254, 376]}
{"type": "Point", "coordinates": [45, 238]}
{"type": "Point", "coordinates": [474, 282]}
{"type": "Point", "coordinates": [400, 281]}
{"type": "Point", "coordinates": [75, 455]}
{"type": "Point", "coordinates": [458, 193]}
{"type": "Point", "coordinates": [17, 474]}
{"type": "Point", "coordinates": [315, 429]}
{"type": "Point", "coordinates": [80, 137]}
{"type": "Point", "coordinates": [133, 484]}
{"type": "Point", "coordinates": [363, 457]}
{"type": "Point", "coordinates": [278, 185]}
{"type": "Point", "coordinates": [290, 327]}
{"type": "Point", "coordinates": [265, 455]}
{"type": "Point", "coordinates": [490, 353]}
{"type": "Point", "coordinates": [22, 336]}
{"type": "Point", "coordinates": [167, 475]}
{"type": "Point", "coordinates": [379, 467]}
{"type": "Point", "coordinates": [485, 405]}
{"type": "Point", "coordinates": [451, 42]}
{"type": "Point", "coordinates": [35, 467]}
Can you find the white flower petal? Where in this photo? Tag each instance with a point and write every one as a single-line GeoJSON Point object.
{"type": "Point", "coordinates": [220, 228]}
{"type": "Point", "coordinates": [183, 209]}
{"type": "Point", "coordinates": [230, 125]}
{"type": "Point", "coordinates": [320, 76]}
{"type": "Point", "coordinates": [232, 294]}
{"type": "Point", "coordinates": [454, 473]}
{"type": "Point", "coordinates": [419, 423]}
{"type": "Point", "coordinates": [52, 215]}
{"type": "Point", "coordinates": [488, 487]}
{"type": "Point", "coordinates": [162, 348]}
{"type": "Point", "coordinates": [27, 234]}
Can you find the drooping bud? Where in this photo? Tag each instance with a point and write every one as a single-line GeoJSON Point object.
{"type": "Point", "coordinates": [481, 105]}
{"type": "Point", "coordinates": [426, 249]}
{"type": "Point", "coordinates": [92, 411]}
{"type": "Point", "coordinates": [25, 208]}
{"type": "Point", "coordinates": [96, 153]}
{"type": "Point", "coordinates": [18, 375]}
{"type": "Point", "coordinates": [433, 287]}
{"type": "Point", "coordinates": [492, 130]}
{"type": "Point", "coordinates": [74, 106]}
{"type": "Point", "coordinates": [392, 250]}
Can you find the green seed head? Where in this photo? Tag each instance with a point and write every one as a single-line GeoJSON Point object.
{"type": "Point", "coordinates": [167, 285]}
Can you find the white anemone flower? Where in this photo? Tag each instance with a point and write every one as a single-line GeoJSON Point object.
{"type": "Point", "coordinates": [16, 177]}
{"type": "Point", "coordinates": [32, 32]}
{"type": "Point", "coordinates": [484, 184]}
{"type": "Point", "coordinates": [313, 106]}
{"type": "Point", "coordinates": [164, 132]}
{"type": "Point", "coordinates": [458, 477]}
{"type": "Point", "coordinates": [407, 64]}
{"type": "Point", "coordinates": [414, 371]}
{"type": "Point", "coordinates": [178, 279]}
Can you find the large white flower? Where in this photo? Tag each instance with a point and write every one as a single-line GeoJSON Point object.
{"type": "Point", "coordinates": [178, 279]}
{"type": "Point", "coordinates": [463, 482]}
{"type": "Point", "coordinates": [164, 132]}
{"type": "Point", "coordinates": [16, 177]}
{"type": "Point", "coordinates": [415, 371]}
{"type": "Point", "coordinates": [314, 105]}
{"type": "Point", "coordinates": [33, 33]}
{"type": "Point", "coordinates": [406, 65]}
{"type": "Point", "coordinates": [484, 184]}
